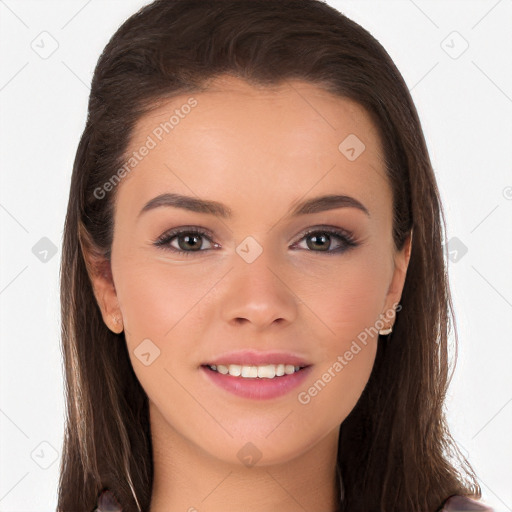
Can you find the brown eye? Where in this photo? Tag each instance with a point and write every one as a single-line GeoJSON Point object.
{"type": "Point", "coordinates": [321, 240]}
{"type": "Point", "coordinates": [184, 241]}
{"type": "Point", "coordinates": [189, 241]}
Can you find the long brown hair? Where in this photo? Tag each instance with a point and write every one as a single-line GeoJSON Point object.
{"type": "Point", "coordinates": [395, 449]}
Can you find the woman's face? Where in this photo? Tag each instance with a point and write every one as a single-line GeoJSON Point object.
{"type": "Point", "coordinates": [254, 279]}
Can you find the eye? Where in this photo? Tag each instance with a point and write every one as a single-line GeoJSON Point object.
{"type": "Point", "coordinates": [185, 240]}
{"type": "Point", "coordinates": [321, 240]}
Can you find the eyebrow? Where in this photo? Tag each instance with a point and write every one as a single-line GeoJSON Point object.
{"type": "Point", "coordinates": [194, 204]}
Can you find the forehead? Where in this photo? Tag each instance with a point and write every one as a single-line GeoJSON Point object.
{"type": "Point", "coordinates": [258, 140]}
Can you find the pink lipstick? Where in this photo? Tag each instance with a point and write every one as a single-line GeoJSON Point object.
{"type": "Point", "coordinates": [257, 375]}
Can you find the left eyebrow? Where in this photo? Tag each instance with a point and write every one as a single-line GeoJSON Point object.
{"type": "Point", "coordinates": [309, 206]}
{"type": "Point", "coordinates": [328, 202]}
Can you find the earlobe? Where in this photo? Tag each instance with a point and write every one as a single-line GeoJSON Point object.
{"type": "Point", "coordinates": [100, 273]}
{"type": "Point", "coordinates": [117, 324]}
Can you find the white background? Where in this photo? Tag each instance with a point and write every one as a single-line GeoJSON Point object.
{"type": "Point", "coordinates": [465, 104]}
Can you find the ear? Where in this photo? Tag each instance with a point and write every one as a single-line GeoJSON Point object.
{"type": "Point", "coordinates": [100, 273]}
{"type": "Point", "coordinates": [396, 286]}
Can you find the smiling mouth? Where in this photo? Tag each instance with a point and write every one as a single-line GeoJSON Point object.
{"type": "Point", "coordinates": [267, 371]}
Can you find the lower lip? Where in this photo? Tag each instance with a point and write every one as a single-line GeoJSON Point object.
{"type": "Point", "coordinates": [256, 388]}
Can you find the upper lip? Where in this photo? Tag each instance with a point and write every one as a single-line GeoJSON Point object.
{"type": "Point", "coordinates": [256, 358]}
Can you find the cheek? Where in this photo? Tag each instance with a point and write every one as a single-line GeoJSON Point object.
{"type": "Point", "coordinates": [155, 296]}
{"type": "Point", "coordinates": [349, 303]}
{"type": "Point", "coordinates": [347, 297]}
{"type": "Point", "coordinates": [160, 304]}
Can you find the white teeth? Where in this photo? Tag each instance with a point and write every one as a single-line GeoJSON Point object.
{"type": "Point", "coordinates": [235, 370]}
{"type": "Point", "coordinates": [289, 368]}
{"type": "Point", "coordinates": [249, 371]}
{"type": "Point", "coordinates": [268, 371]}
{"type": "Point", "coordinates": [222, 369]}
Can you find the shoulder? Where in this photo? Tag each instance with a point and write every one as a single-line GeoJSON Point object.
{"type": "Point", "coordinates": [463, 504]}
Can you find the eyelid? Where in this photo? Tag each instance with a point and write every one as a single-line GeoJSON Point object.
{"type": "Point", "coordinates": [185, 229]}
{"type": "Point", "coordinates": [329, 229]}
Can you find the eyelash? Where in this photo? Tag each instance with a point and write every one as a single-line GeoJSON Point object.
{"type": "Point", "coordinates": [347, 238]}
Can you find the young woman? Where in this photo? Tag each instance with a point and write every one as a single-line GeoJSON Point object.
{"type": "Point", "coordinates": [254, 297]}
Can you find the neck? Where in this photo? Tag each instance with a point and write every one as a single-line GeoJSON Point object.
{"type": "Point", "coordinates": [188, 479]}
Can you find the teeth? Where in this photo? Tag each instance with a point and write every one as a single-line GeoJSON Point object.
{"type": "Point", "coordinates": [268, 371]}
{"type": "Point", "coordinates": [249, 372]}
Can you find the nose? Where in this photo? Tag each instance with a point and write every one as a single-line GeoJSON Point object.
{"type": "Point", "coordinates": [259, 294]}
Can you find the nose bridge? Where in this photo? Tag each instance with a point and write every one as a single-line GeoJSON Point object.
{"type": "Point", "coordinates": [258, 291]}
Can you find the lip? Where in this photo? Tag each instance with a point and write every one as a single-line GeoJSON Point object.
{"type": "Point", "coordinates": [255, 358]}
{"type": "Point", "coordinates": [256, 388]}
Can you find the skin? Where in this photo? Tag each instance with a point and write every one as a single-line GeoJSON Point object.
{"type": "Point", "coordinates": [258, 151]}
